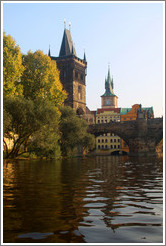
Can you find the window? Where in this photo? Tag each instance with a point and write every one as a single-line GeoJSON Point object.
{"type": "Point", "coordinates": [105, 140]}
{"type": "Point", "coordinates": [81, 76]}
{"type": "Point", "coordinates": [118, 146]}
{"type": "Point", "coordinates": [76, 74]}
{"type": "Point", "coordinates": [98, 146]}
{"type": "Point", "coordinates": [110, 140]}
{"type": "Point", "coordinates": [102, 140]}
{"type": "Point", "coordinates": [106, 146]}
{"type": "Point", "coordinates": [114, 146]}
{"type": "Point", "coordinates": [102, 146]}
{"type": "Point", "coordinates": [98, 121]}
{"type": "Point", "coordinates": [118, 140]}
{"type": "Point", "coordinates": [114, 140]}
{"type": "Point", "coordinates": [98, 140]}
{"type": "Point", "coordinates": [79, 92]}
{"type": "Point", "coordinates": [111, 146]}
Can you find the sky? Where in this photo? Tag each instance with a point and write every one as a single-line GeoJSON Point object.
{"type": "Point", "coordinates": [127, 35]}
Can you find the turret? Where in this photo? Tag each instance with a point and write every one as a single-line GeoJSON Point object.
{"type": "Point", "coordinates": [84, 57]}
{"type": "Point", "coordinates": [109, 99]}
{"type": "Point", "coordinates": [49, 52]}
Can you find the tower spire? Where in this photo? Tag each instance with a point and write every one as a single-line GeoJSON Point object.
{"type": "Point", "coordinates": [109, 84]}
{"type": "Point", "coordinates": [109, 71]}
{"type": "Point", "coordinates": [49, 52]}
{"type": "Point", "coordinates": [84, 56]}
{"type": "Point", "coordinates": [67, 45]}
{"type": "Point", "coordinates": [112, 83]}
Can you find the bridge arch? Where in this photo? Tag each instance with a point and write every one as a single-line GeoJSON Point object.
{"type": "Point", "coordinates": [118, 152]}
{"type": "Point", "coordinates": [104, 128]}
{"type": "Point", "coordinates": [141, 135]}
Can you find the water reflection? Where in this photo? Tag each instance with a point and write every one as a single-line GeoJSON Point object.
{"type": "Point", "coordinates": [94, 200]}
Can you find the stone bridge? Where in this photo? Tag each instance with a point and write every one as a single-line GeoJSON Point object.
{"type": "Point", "coordinates": [141, 135]}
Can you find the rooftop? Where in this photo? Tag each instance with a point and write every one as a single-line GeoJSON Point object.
{"type": "Point", "coordinates": [102, 110]}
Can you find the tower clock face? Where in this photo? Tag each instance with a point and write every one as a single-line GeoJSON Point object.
{"type": "Point", "coordinates": [108, 102]}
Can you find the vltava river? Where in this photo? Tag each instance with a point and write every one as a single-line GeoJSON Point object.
{"type": "Point", "coordinates": [93, 200]}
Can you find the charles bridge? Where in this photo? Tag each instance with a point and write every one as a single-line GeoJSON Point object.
{"type": "Point", "coordinates": [141, 135]}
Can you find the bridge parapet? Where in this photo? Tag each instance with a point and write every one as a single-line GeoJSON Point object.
{"type": "Point", "coordinates": [141, 135]}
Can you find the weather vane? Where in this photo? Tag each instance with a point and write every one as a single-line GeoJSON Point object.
{"type": "Point", "coordinates": [70, 26]}
{"type": "Point", "coordinates": [64, 23]}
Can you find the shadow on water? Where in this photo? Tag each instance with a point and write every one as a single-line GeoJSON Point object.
{"type": "Point", "coordinates": [106, 199]}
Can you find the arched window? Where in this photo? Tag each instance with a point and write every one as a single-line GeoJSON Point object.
{"type": "Point", "coordinates": [79, 92]}
{"type": "Point", "coordinates": [76, 74]}
{"type": "Point", "coordinates": [80, 111]}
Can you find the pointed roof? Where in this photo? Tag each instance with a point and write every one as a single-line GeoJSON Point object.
{"type": "Point", "coordinates": [67, 47]}
{"type": "Point", "coordinates": [108, 86]}
{"type": "Point", "coordinates": [84, 56]}
{"type": "Point", "coordinates": [49, 52]}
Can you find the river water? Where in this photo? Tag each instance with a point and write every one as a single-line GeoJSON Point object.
{"type": "Point", "coordinates": [107, 199]}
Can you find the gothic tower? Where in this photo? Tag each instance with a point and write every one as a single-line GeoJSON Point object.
{"type": "Point", "coordinates": [109, 99]}
{"type": "Point", "coordinates": [72, 73]}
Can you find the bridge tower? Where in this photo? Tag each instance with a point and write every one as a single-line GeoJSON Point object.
{"type": "Point", "coordinates": [109, 142]}
{"type": "Point", "coordinates": [72, 73]}
{"type": "Point", "coordinates": [109, 99]}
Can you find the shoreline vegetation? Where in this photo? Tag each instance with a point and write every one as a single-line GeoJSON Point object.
{"type": "Point", "coordinates": [35, 119]}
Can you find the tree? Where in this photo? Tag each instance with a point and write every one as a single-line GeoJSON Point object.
{"type": "Point", "coordinates": [28, 121]}
{"type": "Point", "coordinates": [12, 67]}
{"type": "Point", "coordinates": [41, 78]}
{"type": "Point", "coordinates": [73, 132]}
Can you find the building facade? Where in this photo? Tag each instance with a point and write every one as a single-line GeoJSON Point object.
{"type": "Point", "coordinates": [127, 114]}
{"type": "Point", "coordinates": [108, 142]}
{"type": "Point", "coordinates": [109, 111]}
{"type": "Point", "coordinates": [109, 99]}
{"type": "Point", "coordinates": [72, 74]}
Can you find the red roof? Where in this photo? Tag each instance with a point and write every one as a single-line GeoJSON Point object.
{"type": "Point", "coordinates": [101, 110]}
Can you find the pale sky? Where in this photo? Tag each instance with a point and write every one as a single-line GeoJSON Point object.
{"type": "Point", "coordinates": [128, 35]}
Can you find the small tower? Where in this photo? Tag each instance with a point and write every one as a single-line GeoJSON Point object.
{"type": "Point", "coordinates": [72, 73]}
{"type": "Point", "coordinates": [49, 52]}
{"type": "Point", "coordinates": [109, 99]}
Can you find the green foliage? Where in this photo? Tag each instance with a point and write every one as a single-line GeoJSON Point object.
{"type": "Point", "coordinates": [41, 78]}
{"type": "Point", "coordinates": [12, 67]}
{"type": "Point", "coordinates": [44, 142]}
{"type": "Point", "coordinates": [34, 117]}
{"type": "Point", "coordinates": [32, 123]}
{"type": "Point", "coordinates": [73, 132]}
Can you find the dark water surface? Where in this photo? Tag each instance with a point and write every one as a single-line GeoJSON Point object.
{"type": "Point", "coordinates": [93, 200]}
